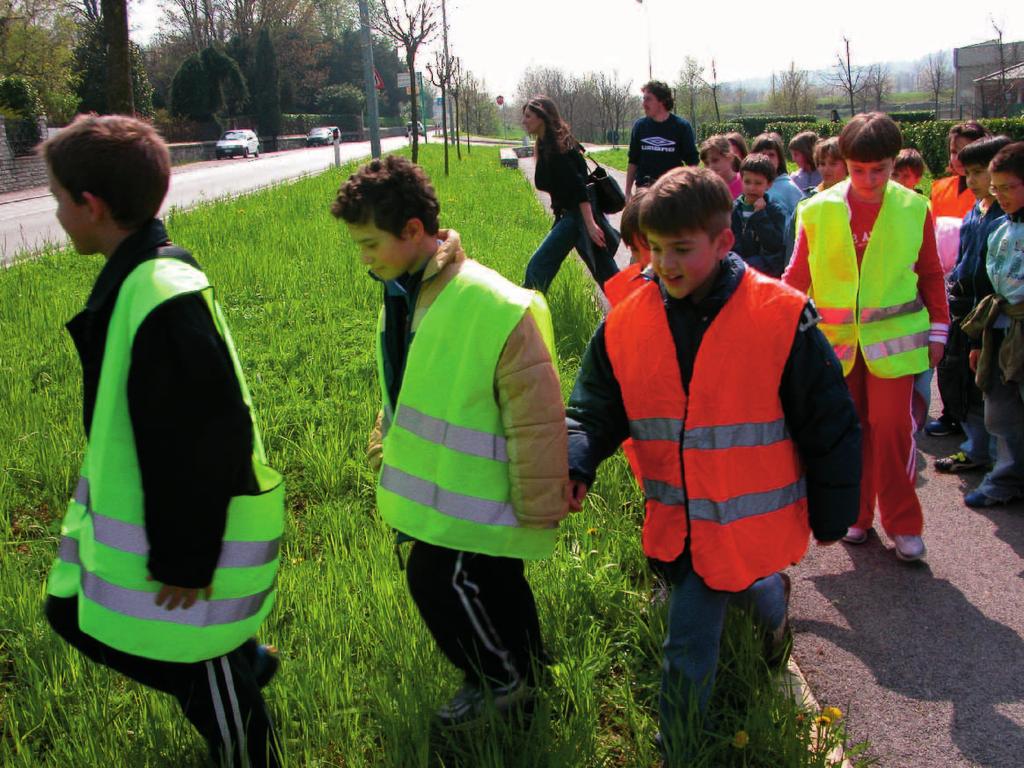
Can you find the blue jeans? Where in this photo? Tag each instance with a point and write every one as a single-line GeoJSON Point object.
{"type": "Point", "coordinates": [696, 615]}
{"type": "Point", "coordinates": [978, 445]}
{"type": "Point", "coordinates": [569, 231]}
{"type": "Point", "coordinates": [1004, 419]}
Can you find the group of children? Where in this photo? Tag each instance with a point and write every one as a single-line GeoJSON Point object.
{"type": "Point", "coordinates": [756, 417]}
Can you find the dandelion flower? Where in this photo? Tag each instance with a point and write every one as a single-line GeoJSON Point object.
{"type": "Point", "coordinates": [591, 531]}
{"type": "Point", "coordinates": [824, 721]}
{"type": "Point", "coordinates": [833, 713]}
{"type": "Point", "coordinates": [741, 739]}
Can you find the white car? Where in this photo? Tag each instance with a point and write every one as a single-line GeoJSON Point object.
{"type": "Point", "coordinates": [239, 142]}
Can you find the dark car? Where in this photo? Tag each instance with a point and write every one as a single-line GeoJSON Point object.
{"type": "Point", "coordinates": [419, 127]}
{"type": "Point", "coordinates": [322, 136]}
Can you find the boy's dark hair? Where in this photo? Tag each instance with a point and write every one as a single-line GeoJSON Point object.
{"type": "Point", "coordinates": [687, 199]}
{"type": "Point", "coordinates": [773, 142]}
{"type": "Point", "coordinates": [629, 224]}
{"type": "Point", "coordinates": [804, 143]}
{"type": "Point", "coordinates": [826, 148]}
{"type": "Point", "coordinates": [755, 162]}
{"type": "Point", "coordinates": [971, 129]}
{"type": "Point", "coordinates": [661, 92]}
{"type": "Point", "coordinates": [389, 191]}
{"type": "Point", "coordinates": [982, 151]}
{"type": "Point", "coordinates": [1009, 159]}
{"type": "Point", "coordinates": [910, 158]}
{"type": "Point", "coordinates": [119, 159]}
{"type": "Point", "coordinates": [870, 137]}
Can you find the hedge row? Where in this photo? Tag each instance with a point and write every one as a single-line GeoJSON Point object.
{"type": "Point", "coordinates": [930, 137]}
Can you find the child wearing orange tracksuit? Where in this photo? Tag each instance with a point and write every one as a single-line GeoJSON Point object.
{"type": "Point", "coordinates": [866, 254]}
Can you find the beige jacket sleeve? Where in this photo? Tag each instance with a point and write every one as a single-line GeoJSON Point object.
{"type": "Point", "coordinates": [375, 446]}
{"type": "Point", "coordinates": [532, 412]}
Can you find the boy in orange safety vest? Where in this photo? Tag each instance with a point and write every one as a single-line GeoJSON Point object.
{"type": "Point", "coordinates": [746, 439]}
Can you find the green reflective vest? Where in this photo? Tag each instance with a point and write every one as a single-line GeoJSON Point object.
{"type": "Point", "coordinates": [104, 549]}
{"type": "Point", "coordinates": [876, 307]}
{"type": "Point", "coordinates": [445, 472]}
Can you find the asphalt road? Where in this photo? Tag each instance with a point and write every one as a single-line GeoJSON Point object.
{"type": "Point", "coordinates": [27, 220]}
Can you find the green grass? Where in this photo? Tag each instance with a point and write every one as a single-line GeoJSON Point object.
{"type": "Point", "coordinates": [361, 675]}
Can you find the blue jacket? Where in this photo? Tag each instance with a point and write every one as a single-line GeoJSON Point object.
{"type": "Point", "coordinates": [786, 193]}
{"type": "Point", "coordinates": [968, 282]}
{"type": "Point", "coordinates": [759, 237]}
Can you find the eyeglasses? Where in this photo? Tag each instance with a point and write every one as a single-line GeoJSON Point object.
{"type": "Point", "coordinates": [1005, 189]}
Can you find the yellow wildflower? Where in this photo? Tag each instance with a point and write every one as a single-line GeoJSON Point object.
{"type": "Point", "coordinates": [741, 739]}
{"type": "Point", "coordinates": [833, 713]}
{"type": "Point", "coordinates": [824, 721]}
{"type": "Point", "coordinates": [591, 531]}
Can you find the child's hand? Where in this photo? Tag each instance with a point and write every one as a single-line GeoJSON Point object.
{"type": "Point", "coordinates": [184, 596]}
{"type": "Point", "coordinates": [760, 204]}
{"type": "Point", "coordinates": [936, 349]}
{"type": "Point", "coordinates": [972, 359]}
{"type": "Point", "coordinates": [577, 492]}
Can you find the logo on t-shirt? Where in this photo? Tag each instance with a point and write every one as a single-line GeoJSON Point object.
{"type": "Point", "coordinates": [658, 144]}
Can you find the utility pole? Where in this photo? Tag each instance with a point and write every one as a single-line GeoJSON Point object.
{"type": "Point", "coordinates": [371, 85]}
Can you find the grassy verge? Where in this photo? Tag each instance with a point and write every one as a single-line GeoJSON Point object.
{"type": "Point", "coordinates": [361, 675]}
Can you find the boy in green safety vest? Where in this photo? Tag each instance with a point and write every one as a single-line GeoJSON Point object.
{"type": "Point", "coordinates": [471, 443]}
{"type": "Point", "coordinates": [169, 546]}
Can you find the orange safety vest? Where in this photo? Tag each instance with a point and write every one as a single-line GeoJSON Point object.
{"type": "Point", "coordinates": [622, 283]}
{"type": "Point", "coordinates": [948, 200]}
{"type": "Point", "coordinates": [717, 463]}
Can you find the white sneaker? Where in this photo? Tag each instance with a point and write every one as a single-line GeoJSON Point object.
{"type": "Point", "coordinates": [909, 548]}
{"type": "Point", "coordinates": [855, 535]}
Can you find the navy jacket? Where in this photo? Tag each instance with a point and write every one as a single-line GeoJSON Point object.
{"type": "Point", "coordinates": [818, 409]}
{"type": "Point", "coordinates": [759, 237]}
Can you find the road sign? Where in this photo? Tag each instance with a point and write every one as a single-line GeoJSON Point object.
{"type": "Point", "coordinates": [403, 80]}
{"type": "Point", "coordinates": [378, 81]}
{"type": "Point", "coordinates": [501, 101]}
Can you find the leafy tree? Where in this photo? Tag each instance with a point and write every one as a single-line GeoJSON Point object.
{"type": "Point", "coordinates": [18, 97]}
{"type": "Point", "coordinates": [345, 99]}
{"type": "Point", "coordinates": [197, 91]}
{"type": "Point", "coordinates": [266, 89]}
{"type": "Point", "coordinates": [91, 63]}
{"type": "Point", "coordinates": [36, 42]}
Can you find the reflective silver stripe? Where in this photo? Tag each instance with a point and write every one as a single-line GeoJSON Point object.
{"type": "Point", "coordinates": [748, 505]}
{"type": "Point", "coordinates": [385, 423]}
{"type": "Point", "coordinates": [835, 316]}
{"type": "Point", "coordinates": [844, 351]}
{"type": "Point", "coordinates": [128, 537]}
{"type": "Point", "coordinates": [82, 491]}
{"type": "Point", "coordinates": [462, 439]}
{"type": "Point", "coordinates": [655, 429]}
{"type": "Point", "coordinates": [900, 344]}
{"type": "Point", "coordinates": [139, 604]}
{"type": "Point", "coordinates": [734, 435]}
{"type": "Point", "coordinates": [874, 314]}
{"type": "Point", "coordinates": [68, 550]}
{"type": "Point", "coordinates": [666, 493]}
{"type": "Point", "coordinates": [449, 503]}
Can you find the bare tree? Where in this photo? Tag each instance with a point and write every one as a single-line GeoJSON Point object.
{"type": "Point", "coordinates": [793, 94]}
{"type": "Point", "coordinates": [690, 86]}
{"type": "Point", "coordinates": [714, 91]}
{"type": "Point", "coordinates": [441, 76]}
{"type": "Point", "coordinates": [1002, 95]}
{"type": "Point", "coordinates": [846, 78]}
{"type": "Point", "coordinates": [878, 83]}
{"type": "Point", "coordinates": [409, 27]}
{"type": "Point", "coordinates": [936, 75]}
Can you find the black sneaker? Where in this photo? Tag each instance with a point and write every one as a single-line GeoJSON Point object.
{"type": "Point", "coordinates": [943, 426]}
{"type": "Point", "coordinates": [959, 462]}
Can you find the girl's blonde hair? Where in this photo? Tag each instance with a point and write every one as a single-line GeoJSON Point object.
{"type": "Point", "coordinates": [720, 144]}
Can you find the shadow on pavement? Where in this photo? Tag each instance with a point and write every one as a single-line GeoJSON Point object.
{"type": "Point", "coordinates": [927, 642]}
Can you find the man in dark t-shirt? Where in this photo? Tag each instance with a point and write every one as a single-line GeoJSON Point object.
{"type": "Point", "coordinates": [660, 140]}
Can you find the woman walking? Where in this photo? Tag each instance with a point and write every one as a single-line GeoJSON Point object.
{"type": "Point", "coordinates": [561, 171]}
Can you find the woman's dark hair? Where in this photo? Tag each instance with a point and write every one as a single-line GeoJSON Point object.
{"type": "Point", "coordinates": [557, 137]}
{"type": "Point", "coordinates": [771, 141]}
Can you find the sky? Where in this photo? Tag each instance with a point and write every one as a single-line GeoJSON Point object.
{"type": "Point", "coordinates": [498, 39]}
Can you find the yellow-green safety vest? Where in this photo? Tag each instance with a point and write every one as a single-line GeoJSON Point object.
{"type": "Point", "coordinates": [877, 307]}
{"type": "Point", "coordinates": [445, 472]}
{"type": "Point", "coordinates": [104, 549]}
